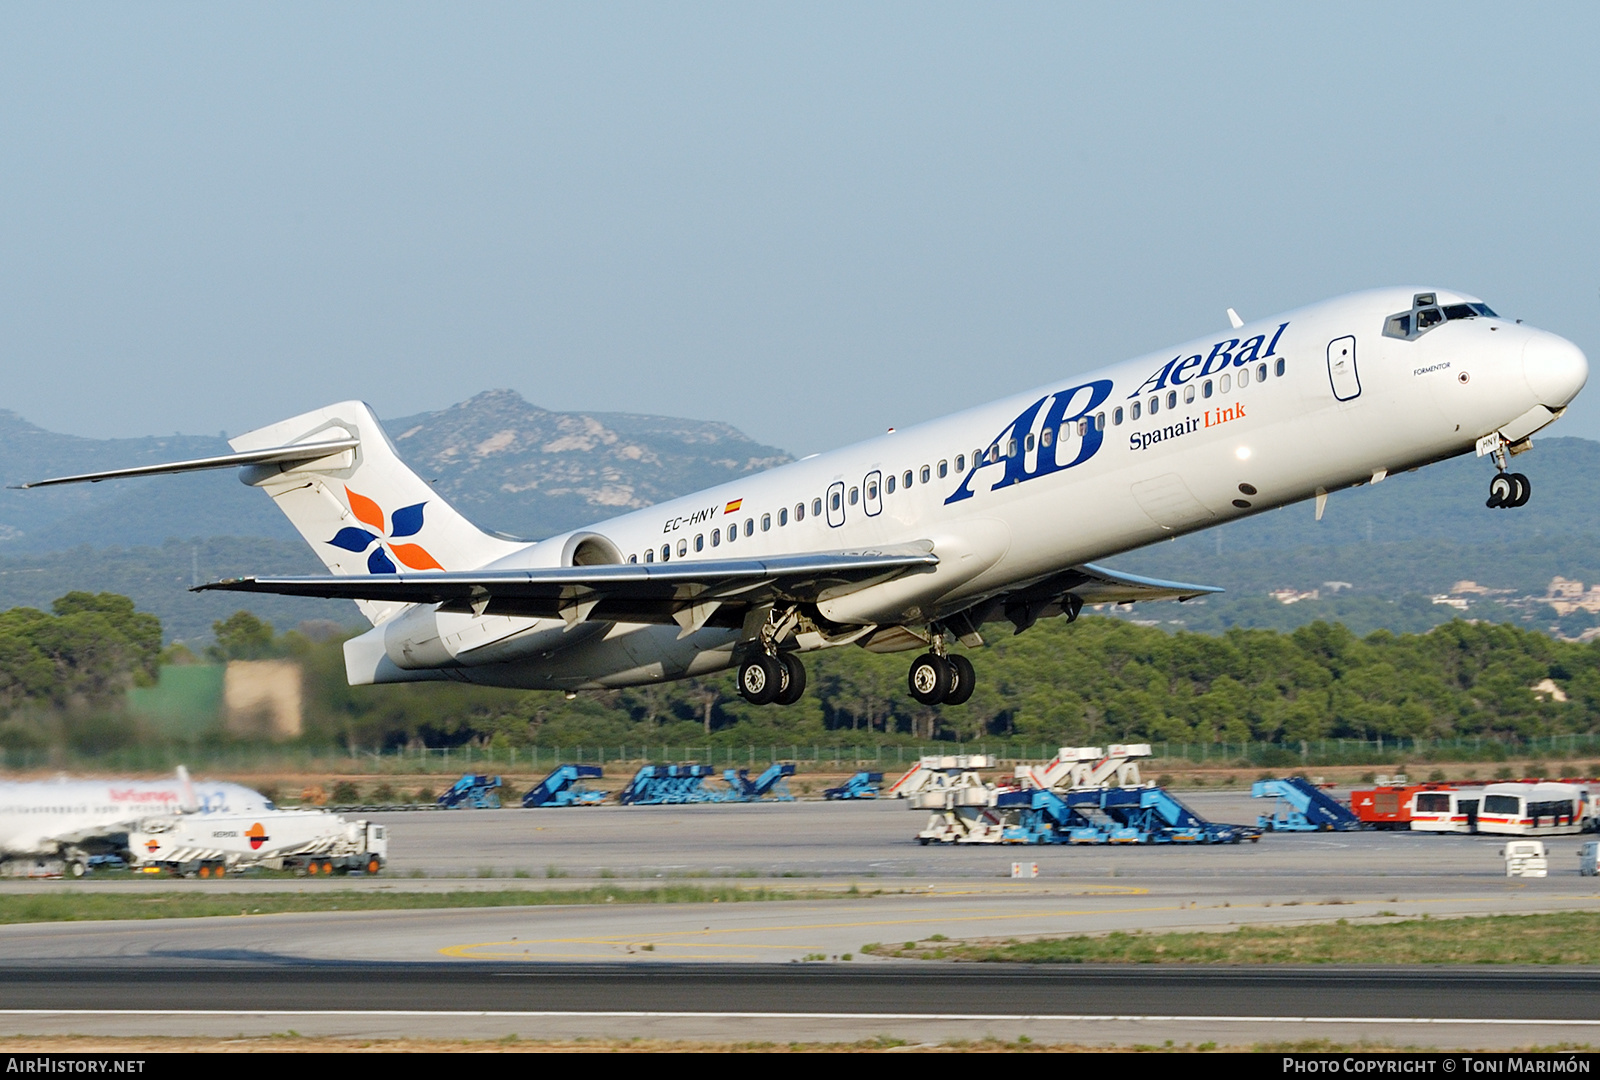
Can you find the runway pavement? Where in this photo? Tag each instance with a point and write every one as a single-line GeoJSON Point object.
{"type": "Point", "coordinates": [740, 970]}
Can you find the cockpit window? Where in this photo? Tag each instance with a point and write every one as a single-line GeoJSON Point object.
{"type": "Point", "coordinates": [1426, 313]}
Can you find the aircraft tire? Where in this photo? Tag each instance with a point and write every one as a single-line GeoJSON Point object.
{"type": "Point", "coordinates": [760, 679]}
{"type": "Point", "coordinates": [1524, 490]}
{"type": "Point", "coordinates": [929, 678]}
{"type": "Point", "coordinates": [1501, 491]}
{"type": "Point", "coordinates": [963, 679]}
{"type": "Point", "coordinates": [794, 682]}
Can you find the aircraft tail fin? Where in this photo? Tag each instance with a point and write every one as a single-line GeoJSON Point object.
{"type": "Point", "coordinates": [362, 509]}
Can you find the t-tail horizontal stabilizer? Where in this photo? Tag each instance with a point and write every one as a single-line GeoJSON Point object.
{"type": "Point", "coordinates": [298, 454]}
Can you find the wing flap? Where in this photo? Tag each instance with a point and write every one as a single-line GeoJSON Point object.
{"type": "Point", "coordinates": [1102, 585]}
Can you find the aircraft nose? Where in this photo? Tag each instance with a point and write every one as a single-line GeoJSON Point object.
{"type": "Point", "coordinates": [1555, 368]}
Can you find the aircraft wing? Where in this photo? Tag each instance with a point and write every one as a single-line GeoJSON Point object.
{"type": "Point", "coordinates": [1102, 585]}
{"type": "Point", "coordinates": [687, 592]}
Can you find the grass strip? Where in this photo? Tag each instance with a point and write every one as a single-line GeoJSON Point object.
{"type": "Point", "coordinates": [1566, 938]}
{"type": "Point", "coordinates": [87, 905]}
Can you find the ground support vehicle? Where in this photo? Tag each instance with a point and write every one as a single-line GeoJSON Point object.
{"type": "Point", "coordinates": [1114, 815]}
{"type": "Point", "coordinates": [1077, 767]}
{"type": "Point", "coordinates": [472, 792]}
{"type": "Point", "coordinates": [211, 845]}
{"type": "Point", "coordinates": [937, 771]}
{"type": "Point", "coordinates": [1525, 858]}
{"type": "Point", "coordinates": [771, 785]}
{"type": "Point", "coordinates": [863, 785]}
{"type": "Point", "coordinates": [1542, 809]}
{"type": "Point", "coordinates": [960, 815]}
{"type": "Point", "coordinates": [1302, 807]}
{"type": "Point", "coordinates": [564, 787]}
{"type": "Point", "coordinates": [1441, 809]}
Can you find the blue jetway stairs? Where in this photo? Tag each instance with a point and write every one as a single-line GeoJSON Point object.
{"type": "Point", "coordinates": [1302, 807]}
{"type": "Point", "coordinates": [1130, 815]}
{"type": "Point", "coordinates": [769, 785]}
{"type": "Point", "coordinates": [564, 787]}
{"type": "Point", "coordinates": [472, 792]}
{"type": "Point", "coordinates": [863, 785]}
{"type": "Point", "coordinates": [654, 785]}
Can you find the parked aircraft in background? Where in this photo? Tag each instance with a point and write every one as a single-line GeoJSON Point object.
{"type": "Point", "coordinates": [918, 539]}
{"type": "Point", "coordinates": [56, 826]}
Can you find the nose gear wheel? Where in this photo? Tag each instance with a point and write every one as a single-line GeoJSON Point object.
{"type": "Point", "coordinates": [1508, 491]}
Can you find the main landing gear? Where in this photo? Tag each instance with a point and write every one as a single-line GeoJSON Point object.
{"type": "Point", "coordinates": [772, 680]}
{"type": "Point", "coordinates": [1508, 490]}
{"type": "Point", "coordinates": [937, 679]}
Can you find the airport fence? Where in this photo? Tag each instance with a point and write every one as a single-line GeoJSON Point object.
{"type": "Point", "coordinates": [815, 756]}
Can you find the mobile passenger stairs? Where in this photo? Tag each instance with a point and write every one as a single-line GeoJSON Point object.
{"type": "Point", "coordinates": [1302, 806]}
{"type": "Point", "coordinates": [960, 802]}
{"type": "Point", "coordinates": [1094, 795]}
{"type": "Point", "coordinates": [656, 785]}
{"type": "Point", "coordinates": [863, 785]}
{"type": "Point", "coordinates": [565, 787]}
{"type": "Point", "coordinates": [472, 792]}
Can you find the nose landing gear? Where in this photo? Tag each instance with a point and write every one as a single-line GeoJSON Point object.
{"type": "Point", "coordinates": [1508, 491]}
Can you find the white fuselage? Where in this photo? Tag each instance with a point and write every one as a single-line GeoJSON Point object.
{"type": "Point", "coordinates": [1183, 439]}
{"type": "Point", "coordinates": [49, 817]}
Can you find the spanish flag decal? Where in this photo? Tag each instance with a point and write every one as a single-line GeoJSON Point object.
{"type": "Point", "coordinates": [733, 506]}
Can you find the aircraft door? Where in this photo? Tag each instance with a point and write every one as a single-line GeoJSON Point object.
{"type": "Point", "coordinates": [1342, 374]}
{"type": "Point", "coordinates": [872, 493]}
{"type": "Point", "coordinates": [836, 504]}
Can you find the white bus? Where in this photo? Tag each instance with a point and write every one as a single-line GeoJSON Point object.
{"type": "Point", "coordinates": [1536, 809]}
{"type": "Point", "coordinates": [1453, 810]}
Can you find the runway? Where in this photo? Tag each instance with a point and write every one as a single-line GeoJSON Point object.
{"type": "Point", "coordinates": [778, 971]}
{"type": "Point", "coordinates": [780, 1003]}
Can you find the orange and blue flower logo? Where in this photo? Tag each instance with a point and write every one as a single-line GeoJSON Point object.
{"type": "Point", "coordinates": [406, 521]}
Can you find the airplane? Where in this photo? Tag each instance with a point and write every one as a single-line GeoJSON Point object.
{"type": "Point", "coordinates": [917, 539]}
{"type": "Point", "coordinates": [57, 826]}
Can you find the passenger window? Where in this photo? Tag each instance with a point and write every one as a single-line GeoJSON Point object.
{"type": "Point", "coordinates": [1280, 367]}
{"type": "Point", "coordinates": [666, 552]}
{"type": "Point", "coordinates": [1116, 415]}
{"type": "Point", "coordinates": [650, 556]}
{"type": "Point", "coordinates": [1027, 445]}
{"type": "Point", "coordinates": [944, 469]}
{"type": "Point", "coordinates": [750, 525]}
{"type": "Point", "coordinates": [1222, 385]}
{"type": "Point", "coordinates": [716, 536]}
{"type": "Point", "coordinates": [783, 517]}
{"type": "Point", "coordinates": [1244, 378]}
{"type": "Point", "coordinates": [1011, 448]}
{"type": "Point", "coordinates": [855, 496]}
{"type": "Point", "coordinates": [872, 492]}
{"type": "Point", "coordinates": [1172, 399]}
{"type": "Point", "coordinates": [1046, 437]}
{"type": "Point", "coordinates": [961, 463]}
{"type": "Point", "coordinates": [1099, 421]}
{"type": "Point", "coordinates": [1155, 405]}
{"type": "Point", "coordinates": [1133, 411]}
{"type": "Point", "coordinates": [1261, 373]}
{"type": "Point", "coordinates": [1205, 391]}
{"type": "Point", "coordinates": [994, 453]}
{"type": "Point", "coordinates": [834, 501]}
{"type": "Point", "coordinates": [927, 474]}
{"type": "Point", "coordinates": [816, 507]}
{"type": "Point", "coordinates": [906, 479]}
{"type": "Point", "coordinates": [1188, 394]}
{"type": "Point", "coordinates": [633, 558]}
{"type": "Point", "coordinates": [888, 485]}
{"type": "Point", "coordinates": [733, 533]}
{"type": "Point", "coordinates": [799, 512]}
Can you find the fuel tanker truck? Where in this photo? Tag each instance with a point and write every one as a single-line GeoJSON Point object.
{"type": "Point", "coordinates": [210, 845]}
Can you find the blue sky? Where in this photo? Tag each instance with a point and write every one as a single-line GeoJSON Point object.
{"type": "Point", "coordinates": [812, 221]}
